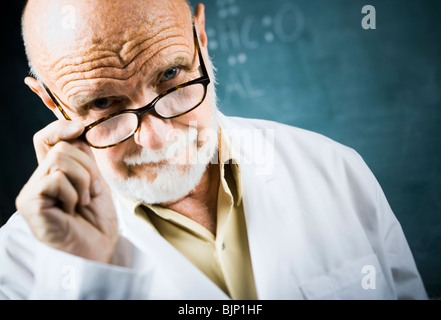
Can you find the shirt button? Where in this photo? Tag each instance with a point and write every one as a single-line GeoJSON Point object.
{"type": "Point", "coordinates": [223, 245]}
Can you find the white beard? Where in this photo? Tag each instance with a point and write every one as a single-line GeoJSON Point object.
{"type": "Point", "coordinates": [177, 177]}
{"type": "Point", "coordinates": [174, 179]}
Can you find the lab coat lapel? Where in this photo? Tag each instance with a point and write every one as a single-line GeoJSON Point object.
{"type": "Point", "coordinates": [186, 281]}
{"type": "Point", "coordinates": [261, 228]}
{"type": "Point", "coordinates": [270, 262]}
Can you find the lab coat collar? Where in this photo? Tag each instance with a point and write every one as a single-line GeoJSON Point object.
{"type": "Point", "coordinates": [256, 172]}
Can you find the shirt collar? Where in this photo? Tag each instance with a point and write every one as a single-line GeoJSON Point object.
{"type": "Point", "coordinates": [228, 154]}
{"type": "Point", "coordinates": [128, 202]}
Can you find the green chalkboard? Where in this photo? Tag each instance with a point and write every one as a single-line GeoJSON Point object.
{"type": "Point", "coordinates": [311, 64]}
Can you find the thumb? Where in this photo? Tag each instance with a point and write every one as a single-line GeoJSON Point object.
{"type": "Point", "coordinates": [53, 133]}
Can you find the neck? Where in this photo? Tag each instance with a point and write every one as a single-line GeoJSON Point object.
{"type": "Point", "coordinates": [200, 205]}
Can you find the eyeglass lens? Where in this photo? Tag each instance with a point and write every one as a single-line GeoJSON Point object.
{"type": "Point", "coordinates": [122, 126]}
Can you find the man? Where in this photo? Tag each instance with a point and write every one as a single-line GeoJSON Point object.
{"type": "Point", "coordinates": [144, 191]}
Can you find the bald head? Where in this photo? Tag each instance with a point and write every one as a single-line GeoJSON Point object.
{"type": "Point", "coordinates": [62, 32]}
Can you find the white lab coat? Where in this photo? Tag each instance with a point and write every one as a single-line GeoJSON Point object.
{"type": "Point", "coordinates": [319, 227]}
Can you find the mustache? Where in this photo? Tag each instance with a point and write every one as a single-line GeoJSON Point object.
{"type": "Point", "coordinates": [177, 140]}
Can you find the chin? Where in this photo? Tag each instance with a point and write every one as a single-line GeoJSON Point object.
{"type": "Point", "coordinates": [171, 183]}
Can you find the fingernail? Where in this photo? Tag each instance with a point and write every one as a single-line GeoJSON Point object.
{"type": "Point", "coordinates": [96, 187]}
{"type": "Point", "coordinates": [86, 198]}
{"type": "Point", "coordinates": [74, 127]}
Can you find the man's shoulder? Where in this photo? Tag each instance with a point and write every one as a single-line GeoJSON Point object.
{"type": "Point", "coordinates": [292, 154]}
{"type": "Point", "coordinates": [15, 230]}
{"type": "Point", "coordinates": [307, 143]}
{"type": "Point", "coordinates": [16, 223]}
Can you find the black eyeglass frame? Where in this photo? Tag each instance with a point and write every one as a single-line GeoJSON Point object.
{"type": "Point", "coordinates": [204, 80]}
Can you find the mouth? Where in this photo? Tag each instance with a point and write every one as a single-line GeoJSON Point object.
{"type": "Point", "coordinates": [179, 151]}
{"type": "Point", "coordinates": [150, 170]}
{"type": "Point", "coordinates": [177, 157]}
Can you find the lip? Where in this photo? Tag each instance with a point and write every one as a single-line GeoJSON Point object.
{"type": "Point", "coordinates": [173, 160]}
{"type": "Point", "coordinates": [150, 164]}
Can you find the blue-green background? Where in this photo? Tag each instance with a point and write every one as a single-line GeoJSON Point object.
{"type": "Point", "coordinates": [306, 63]}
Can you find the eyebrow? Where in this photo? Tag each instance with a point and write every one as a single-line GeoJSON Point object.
{"type": "Point", "coordinates": [81, 101]}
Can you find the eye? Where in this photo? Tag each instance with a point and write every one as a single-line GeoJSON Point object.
{"type": "Point", "coordinates": [101, 103]}
{"type": "Point", "coordinates": [170, 74]}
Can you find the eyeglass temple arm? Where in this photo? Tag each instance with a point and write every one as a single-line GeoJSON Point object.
{"type": "Point", "coordinates": [201, 60]}
{"type": "Point", "coordinates": [55, 101]}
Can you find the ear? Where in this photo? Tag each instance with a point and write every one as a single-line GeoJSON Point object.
{"type": "Point", "coordinates": [199, 20]}
{"type": "Point", "coordinates": [38, 88]}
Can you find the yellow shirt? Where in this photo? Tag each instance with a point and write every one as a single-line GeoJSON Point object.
{"type": "Point", "coordinates": [224, 258]}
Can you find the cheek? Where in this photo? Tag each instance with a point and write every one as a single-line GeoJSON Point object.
{"type": "Point", "coordinates": [109, 160]}
{"type": "Point", "coordinates": [202, 116]}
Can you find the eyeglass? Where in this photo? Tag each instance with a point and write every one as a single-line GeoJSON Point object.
{"type": "Point", "coordinates": [115, 128]}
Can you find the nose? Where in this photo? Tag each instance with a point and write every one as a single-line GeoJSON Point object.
{"type": "Point", "coordinates": [153, 131]}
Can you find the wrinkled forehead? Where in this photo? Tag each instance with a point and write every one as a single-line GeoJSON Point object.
{"type": "Point", "coordinates": [73, 29]}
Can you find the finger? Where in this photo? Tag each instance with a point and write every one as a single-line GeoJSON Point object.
{"type": "Point", "coordinates": [63, 192]}
{"type": "Point", "coordinates": [83, 146]}
{"type": "Point", "coordinates": [46, 204]}
{"type": "Point", "coordinates": [97, 181]}
{"type": "Point", "coordinates": [75, 172]}
{"type": "Point", "coordinates": [62, 150]}
{"type": "Point", "coordinates": [88, 215]}
{"type": "Point", "coordinates": [60, 190]}
{"type": "Point", "coordinates": [52, 191]}
{"type": "Point", "coordinates": [55, 132]}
